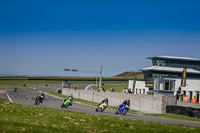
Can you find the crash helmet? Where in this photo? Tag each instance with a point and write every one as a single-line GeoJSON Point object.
{"type": "Point", "coordinates": [106, 99]}
{"type": "Point", "coordinates": [71, 95]}
{"type": "Point", "coordinates": [70, 98]}
{"type": "Point", "coordinates": [128, 101]}
{"type": "Point", "coordinates": [42, 95]}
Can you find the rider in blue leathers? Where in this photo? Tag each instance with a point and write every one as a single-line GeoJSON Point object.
{"type": "Point", "coordinates": [125, 102]}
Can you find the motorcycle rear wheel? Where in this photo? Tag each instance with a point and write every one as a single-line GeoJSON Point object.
{"type": "Point", "coordinates": [116, 112]}
{"type": "Point", "coordinates": [102, 109]}
{"type": "Point", "coordinates": [37, 102]}
{"type": "Point", "coordinates": [62, 105]}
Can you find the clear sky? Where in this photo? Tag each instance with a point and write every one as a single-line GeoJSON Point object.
{"type": "Point", "coordinates": [42, 37]}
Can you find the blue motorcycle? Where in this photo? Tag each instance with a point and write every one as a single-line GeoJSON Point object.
{"type": "Point", "coordinates": [123, 110]}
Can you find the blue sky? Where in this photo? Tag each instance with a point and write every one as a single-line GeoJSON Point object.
{"type": "Point", "coordinates": [43, 37]}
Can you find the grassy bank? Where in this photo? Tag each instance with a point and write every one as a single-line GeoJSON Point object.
{"type": "Point", "coordinates": [23, 118]}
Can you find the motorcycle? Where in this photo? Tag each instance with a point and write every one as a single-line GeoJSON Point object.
{"type": "Point", "coordinates": [123, 110]}
{"type": "Point", "coordinates": [66, 103]}
{"type": "Point", "coordinates": [101, 107]}
{"type": "Point", "coordinates": [38, 100]}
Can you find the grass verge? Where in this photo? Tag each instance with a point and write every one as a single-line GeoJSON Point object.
{"type": "Point", "coordinates": [23, 118]}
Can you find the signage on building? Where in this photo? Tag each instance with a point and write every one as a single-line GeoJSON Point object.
{"type": "Point", "coordinates": [183, 80]}
{"type": "Point", "coordinates": [149, 85]}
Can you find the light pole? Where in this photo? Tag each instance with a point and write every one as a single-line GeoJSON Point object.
{"type": "Point", "coordinates": [88, 71]}
{"type": "Point", "coordinates": [100, 78]}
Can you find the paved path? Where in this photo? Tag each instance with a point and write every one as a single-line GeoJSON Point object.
{"type": "Point", "coordinates": [26, 97]}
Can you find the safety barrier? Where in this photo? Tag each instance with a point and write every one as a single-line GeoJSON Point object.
{"type": "Point", "coordinates": [181, 110]}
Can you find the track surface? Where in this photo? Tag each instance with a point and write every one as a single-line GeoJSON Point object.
{"type": "Point", "coordinates": [27, 97]}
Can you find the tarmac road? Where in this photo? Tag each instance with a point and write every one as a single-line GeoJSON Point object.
{"type": "Point", "coordinates": [27, 97]}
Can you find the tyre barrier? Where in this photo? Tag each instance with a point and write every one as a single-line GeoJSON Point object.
{"type": "Point", "coordinates": [186, 111]}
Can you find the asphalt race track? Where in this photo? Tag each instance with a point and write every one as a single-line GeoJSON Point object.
{"type": "Point", "coordinates": [27, 97]}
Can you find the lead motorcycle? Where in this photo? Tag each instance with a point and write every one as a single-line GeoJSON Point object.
{"type": "Point", "coordinates": [101, 107]}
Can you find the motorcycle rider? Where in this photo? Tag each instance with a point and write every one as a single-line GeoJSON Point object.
{"type": "Point", "coordinates": [70, 97]}
{"type": "Point", "coordinates": [104, 100]}
{"type": "Point", "coordinates": [125, 102]}
{"type": "Point", "coordinates": [40, 97]}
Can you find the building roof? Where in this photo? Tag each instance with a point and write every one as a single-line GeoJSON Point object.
{"type": "Point", "coordinates": [174, 58]}
{"type": "Point", "coordinates": [169, 69]}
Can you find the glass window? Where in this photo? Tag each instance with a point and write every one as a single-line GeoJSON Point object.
{"type": "Point", "coordinates": [172, 85]}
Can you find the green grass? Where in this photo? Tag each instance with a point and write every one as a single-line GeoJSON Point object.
{"type": "Point", "coordinates": [18, 88]}
{"type": "Point", "coordinates": [117, 88]}
{"type": "Point", "coordinates": [38, 82]}
{"type": "Point", "coordinates": [23, 118]}
{"type": "Point", "coordinates": [94, 82]}
{"type": "Point", "coordinates": [28, 82]}
{"type": "Point", "coordinates": [174, 116]}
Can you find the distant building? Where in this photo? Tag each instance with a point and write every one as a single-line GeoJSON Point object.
{"type": "Point", "coordinates": [164, 77]}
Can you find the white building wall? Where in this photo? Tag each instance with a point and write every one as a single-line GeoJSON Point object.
{"type": "Point", "coordinates": [140, 87]}
{"type": "Point", "coordinates": [130, 85]}
{"type": "Point", "coordinates": [192, 85]}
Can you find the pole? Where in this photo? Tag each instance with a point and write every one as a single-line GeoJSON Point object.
{"type": "Point", "coordinates": [89, 71]}
{"type": "Point", "coordinates": [100, 78]}
{"type": "Point", "coordinates": [96, 79]}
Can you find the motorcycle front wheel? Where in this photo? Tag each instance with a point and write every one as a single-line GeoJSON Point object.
{"type": "Point", "coordinates": [37, 102]}
{"type": "Point", "coordinates": [67, 105]}
{"type": "Point", "coordinates": [124, 112]}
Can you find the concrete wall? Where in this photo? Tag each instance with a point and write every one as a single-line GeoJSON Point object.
{"type": "Point", "coordinates": [144, 103]}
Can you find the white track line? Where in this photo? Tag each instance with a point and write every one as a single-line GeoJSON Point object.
{"type": "Point", "coordinates": [8, 97]}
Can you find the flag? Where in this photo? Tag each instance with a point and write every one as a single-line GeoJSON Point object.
{"type": "Point", "coordinates": [134, 82]}
{"type": "Point", "coordinates": [183, 80]}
